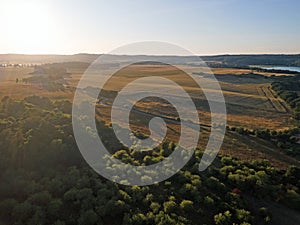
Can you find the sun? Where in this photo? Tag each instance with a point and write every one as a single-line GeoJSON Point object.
{"type": "Point", "coordinates": [29, 26]}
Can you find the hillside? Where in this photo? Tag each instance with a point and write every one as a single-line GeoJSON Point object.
{"type": "Point", "coordinates": [218, 60]}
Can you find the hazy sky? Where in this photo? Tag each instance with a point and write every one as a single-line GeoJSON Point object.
{"type": "Point", "coordinates": [202, 26]}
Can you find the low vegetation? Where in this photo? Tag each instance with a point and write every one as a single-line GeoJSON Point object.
{"type": "Point", "coordinates": [289, 91]}
{"type": "Point", "coordinates": [45, 181]}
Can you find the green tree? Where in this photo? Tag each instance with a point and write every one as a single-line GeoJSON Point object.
{"type": "Point", "coordinates": [186, 205]}
{"type": "Point", "coordinates": [155, 206]}
{"type": "Point", "coordinates": [243, 215]}
{"type": "Point", "coordinates": [88, 218]}
{"type": "Point", "coordinates": [223, 218]}
{"type": "Point", "coordinates": [170, 206]}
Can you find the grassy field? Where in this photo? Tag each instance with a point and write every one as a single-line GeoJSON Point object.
{"type": "Point", "coordinates": [247, 105]}
{"type": "Point", "coordinates": [237, 145]}
{"type": "Point", "coordinates": [9, 86]}
{"type": "Point", "coordinates": [234, 71]}
{"type": "Point", "coordinates": [249, 101]}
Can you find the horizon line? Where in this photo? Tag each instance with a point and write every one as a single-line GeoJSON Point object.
{"type": "Point", "coordinates": [200, 55]}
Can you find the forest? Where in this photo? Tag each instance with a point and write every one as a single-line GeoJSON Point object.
{"type": "Point", "coordinates": [44, 179]}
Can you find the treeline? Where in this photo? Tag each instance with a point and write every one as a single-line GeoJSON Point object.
{"type": "Point", "coordinates": [45, 181]}
{"type": "Point", "coordinates": [287, 140]}
{"type": "Point", "coordinates": [246, 60]}
{"type": "Point", "coordinates": [50, 69]}
{"type": "Point", "coordinates": [289, 90]}
{"type": "Point", "coordinates": [257, 69]}
{"type": "Point", "coordinates": [34, 131]}
{"type": "Point", "coordinates": [49, 83]}
{"type": "Point", "coordinates": [77, 195]}
{"type": "Point", "coordinates": [50, 77]}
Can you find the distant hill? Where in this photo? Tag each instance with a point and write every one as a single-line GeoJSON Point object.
{"type": "Point", "coordinates": [38, 59]}
{"type": "Point", "coordinates": [213, 61]}
{"type": "Point", "coordinates": [246, 60]}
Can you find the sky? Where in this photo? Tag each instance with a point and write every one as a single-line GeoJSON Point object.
{"type": "Point", "coordinates": [205, 27]}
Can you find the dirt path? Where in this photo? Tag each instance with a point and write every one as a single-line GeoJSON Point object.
{"type": "Point", "coordinates": [278, 105]}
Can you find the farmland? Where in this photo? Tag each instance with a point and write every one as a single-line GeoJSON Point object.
{"type": "Point", "coordinates": [249, 101]}
{"type": "Point", "coordinates": [40, 96]}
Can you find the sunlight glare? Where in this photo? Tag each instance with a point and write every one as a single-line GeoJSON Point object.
{"type": "Point", "coordinates": [28, 25]}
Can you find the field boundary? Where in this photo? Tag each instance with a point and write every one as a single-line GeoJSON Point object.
{"type": "Point", "coordinates": [276, 104]}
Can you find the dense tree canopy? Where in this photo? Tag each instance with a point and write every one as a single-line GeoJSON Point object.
{"type": "Point", "coordinates": [45, 181]}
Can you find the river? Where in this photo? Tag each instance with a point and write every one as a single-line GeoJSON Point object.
{"type": "Point", "coordinates": [290, 68]}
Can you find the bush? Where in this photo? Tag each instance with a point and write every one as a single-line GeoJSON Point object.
{"type": "Point", "coordinates": [186, 205]}
{"type": "Point", "coordinates": [223, 218]}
